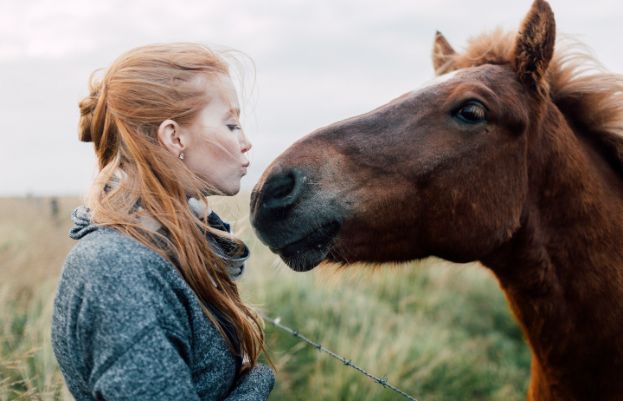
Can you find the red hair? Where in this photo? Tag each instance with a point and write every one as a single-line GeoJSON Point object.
{"type": "Point", "coordinates": [121, 116]}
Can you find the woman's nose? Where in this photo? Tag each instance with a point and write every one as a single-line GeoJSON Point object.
{"type": "Point", "coordinates": [245, 144]}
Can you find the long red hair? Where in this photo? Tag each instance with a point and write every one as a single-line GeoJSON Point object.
{"type": "Point", "coordinates": [121, 116]}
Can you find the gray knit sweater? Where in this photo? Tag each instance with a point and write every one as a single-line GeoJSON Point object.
{"type": "Point", "coordinates": [126, 326]}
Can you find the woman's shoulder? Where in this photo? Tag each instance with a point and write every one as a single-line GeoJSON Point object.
{"type": "Point", "coordinates": [109, 246]}
{"type": "Point", "coordinates": [120, 285]}
{"type": "Point", "coordinates": [113, 296]}
{"type": "Point", "coordinates": [102, 247]}
{"type": "Point", "coordinates": [107, 255]}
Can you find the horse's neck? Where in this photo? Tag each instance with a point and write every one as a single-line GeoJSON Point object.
{"type": "Point", "coordinates": [563, 270]}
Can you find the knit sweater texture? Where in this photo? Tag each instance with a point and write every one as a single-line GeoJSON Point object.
{"type": "Point", "coordinates": [127, 326]}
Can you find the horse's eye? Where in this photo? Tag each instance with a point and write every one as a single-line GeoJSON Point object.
{"type": "Point", "coordinates": [472, 112]}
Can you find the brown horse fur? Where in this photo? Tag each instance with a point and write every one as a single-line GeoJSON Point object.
{"type": "Point", "coordinates": [534, 191]}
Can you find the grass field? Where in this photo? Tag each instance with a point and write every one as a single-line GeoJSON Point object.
{"type": "Point", "coordinates": [436, 330]}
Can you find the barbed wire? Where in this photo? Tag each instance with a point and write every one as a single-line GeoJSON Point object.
{"type": "Point", "coordinates": [347, 362]}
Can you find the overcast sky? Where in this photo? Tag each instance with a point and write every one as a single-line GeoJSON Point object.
{"type": "Point", "coordinates": [315, 62]}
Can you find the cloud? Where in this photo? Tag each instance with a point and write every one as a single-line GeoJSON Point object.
{"type": "Point", "coordinates": [315, 62]}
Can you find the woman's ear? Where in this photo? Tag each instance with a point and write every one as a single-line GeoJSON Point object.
{"type": "Point", "coordinates": [170, 135]}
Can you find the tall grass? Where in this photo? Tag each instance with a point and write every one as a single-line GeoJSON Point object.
{"type": "Point", "coordinates": [438, 331]}
{"type": "Point", "coordinates": [32, 248]}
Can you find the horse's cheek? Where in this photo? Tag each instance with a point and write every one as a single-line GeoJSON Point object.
{"type": "Point", "coordinates": [476, 211]}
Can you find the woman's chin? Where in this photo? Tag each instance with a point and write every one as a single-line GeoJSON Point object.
{"type": "Point", "coordinates": [222, 189]}
{"type": "Point", "coordinates": [230, 190]}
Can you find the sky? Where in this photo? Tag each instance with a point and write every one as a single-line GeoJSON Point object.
{"type": "Point", "coordinates": [305, 64]}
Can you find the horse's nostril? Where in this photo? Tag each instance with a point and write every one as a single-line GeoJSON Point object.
{"type": "Point", "coordinates": [282, 190]}
{"type": "Point", "coordinates": [282, 186]}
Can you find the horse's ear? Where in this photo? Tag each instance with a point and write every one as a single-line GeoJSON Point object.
{"type": "Point", "coordinates": [534, 46]}
{"type": "Point", "coordinates": [442, 54]}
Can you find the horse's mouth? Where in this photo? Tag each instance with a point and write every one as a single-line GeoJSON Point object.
{"type": "Point", "coordinates": [307, 252]}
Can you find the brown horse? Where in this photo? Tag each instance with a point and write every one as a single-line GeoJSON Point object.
{"type": "Point", "coordinates": [513, 157]}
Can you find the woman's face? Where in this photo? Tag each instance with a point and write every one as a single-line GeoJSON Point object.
{"type": "Point", "coordinates": [215, 142]}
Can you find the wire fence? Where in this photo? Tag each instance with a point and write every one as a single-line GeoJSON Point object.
{"type": "Point", "coordinates": [347, 362]}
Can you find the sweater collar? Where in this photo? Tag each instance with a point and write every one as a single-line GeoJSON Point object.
{"type": "Point", "coordinates": [81, 217]}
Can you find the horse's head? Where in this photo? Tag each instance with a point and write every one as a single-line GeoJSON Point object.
{"type": "Point", "coordinates": [438, 171]}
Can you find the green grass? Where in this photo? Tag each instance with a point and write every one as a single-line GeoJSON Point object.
{"type": "Point", "coordinates": [438, 331]}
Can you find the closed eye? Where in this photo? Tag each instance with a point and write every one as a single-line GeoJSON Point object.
{"type": "Point", "coordinates": [233, 127]}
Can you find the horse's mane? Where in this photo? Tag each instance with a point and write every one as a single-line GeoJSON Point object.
{"type": "Point", "coordinates": [590, 97]}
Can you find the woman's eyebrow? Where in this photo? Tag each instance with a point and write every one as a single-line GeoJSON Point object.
{"type": "Point", "coordinates": [233, 112]}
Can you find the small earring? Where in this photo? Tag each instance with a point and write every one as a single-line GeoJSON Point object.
{"type": "Point", "coordinates": [181, 156]}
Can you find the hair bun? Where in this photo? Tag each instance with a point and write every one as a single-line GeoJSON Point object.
{"type": "Point", "coordinates": [87, 108]}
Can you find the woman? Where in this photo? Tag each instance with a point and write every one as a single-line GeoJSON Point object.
{"type": "Point", "coordinates": [146, 307]}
